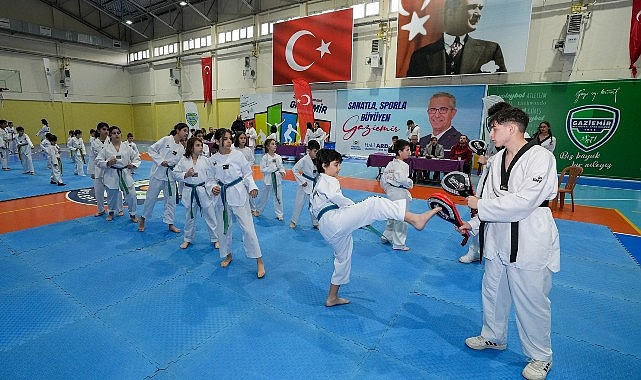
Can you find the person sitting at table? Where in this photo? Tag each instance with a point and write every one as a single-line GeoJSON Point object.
{"type": "Point", "coordinates": [415, 151]}
{"type": "Point", "coordinates": [434, 150]}
{"type": "Point", "coordinates": [462, 151]}
{"type": "Point", "coordinates": [391, 147]}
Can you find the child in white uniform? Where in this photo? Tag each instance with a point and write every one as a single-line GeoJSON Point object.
{"type": "Point", "coordinates": [53, 153]}
{"type": "Point", "coordinates": [165, 154]}
{"type": "Point", "coordinates": [339, 216]}
{"type": "Point", "coordinates": [234, 183]}
{"type": "Point", "coordinates": [396, 182]}
{"type": "Point", "coordinates": [24, 151]}
{"type": "Point", "coordinates": [305, 173]}
{"type": "Point", "coordinates": [97, 144]}
{"type": "Point", "coordinates": [195, 171]}
{"type": "Point", "coordinates": [240, 144]}
{"type": "Point", "coordinates": [116, 160]}
{"type": "Point", "coordinates": [78, 153]}
{"type": "Point", "coordinates": [132, 145]}
{"type": "Point", "coordinates": [273, 171]}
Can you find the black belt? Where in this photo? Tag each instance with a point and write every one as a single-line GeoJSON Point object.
{"type": "Point", "coordinates": [514, 241]}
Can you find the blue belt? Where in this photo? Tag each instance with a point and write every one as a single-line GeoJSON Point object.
{"type": "Point", "coordinates": [398, 187]}
{"type": "Point", "coordinates": [223, 197]}
{"type": "Point", "coordinates": [194, 195]}
{"type": "Point", "coordinates": [325, 209]}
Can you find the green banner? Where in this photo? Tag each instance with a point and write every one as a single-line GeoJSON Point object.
{"type": "Point", "coordinates": [596, 124]}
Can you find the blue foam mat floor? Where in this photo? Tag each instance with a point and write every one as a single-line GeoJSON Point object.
{"type": "Point", "coordinates": [105, 301]}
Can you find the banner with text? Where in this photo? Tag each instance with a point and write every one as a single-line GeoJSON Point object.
{"type": "Point", "coordinates": [264, 111]}
{"type": "Point", "coordinates": [595, 123]}
{"type": "Point", "coordinates": [368, 118]}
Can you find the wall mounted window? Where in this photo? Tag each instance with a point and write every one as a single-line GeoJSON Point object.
{"type": "Point", "coordinates": [139, 55]}
{"type": "Point", "coordinates": [236, 35]}
{"type": "Point", "coordinates": [197, 43]}
{"type": "Point", "coordinates": [159, 51]}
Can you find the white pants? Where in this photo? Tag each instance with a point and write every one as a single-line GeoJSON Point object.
{"type": "Point", "coordinates": [27, 161]}
{"type": "Point", "coordinates": [56, 173]}
{"type": "Point", "coordinates": [155, 187]}
{"type": "Point", "coordinates": [302, 200]}
{"type": "Point", "coordinates": [114, 200]}
{"type": "Point", "coordinates": [337, 226]}
{"type": "Point", "coordinates": [267, 192]}
{"type": "Point", "coordinates": [209, 213]}
{"type": "Point", "coordinates": [4, 155]}
{"type": "Point", "coordinates": [528, 290]}
{"type": "Point", "coordinates": [77, 160]}
{"type": "Point", "coordinates": [246, 223]}
{"type": "Point", "coordinates": [99, 193]}
{"type": "Point", "coordinates": [396, 233]}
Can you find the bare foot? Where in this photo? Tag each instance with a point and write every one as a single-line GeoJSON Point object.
{"type": "Point", "coordinates": [292, 225]}
{"type": "Point", "coordinates": [420, 220]}
{"type": "Point", "coordinates": [217, 245]}
{"type": "Point", "coordinates": [261, 270]}
{"type": "Point", "coordinates": [120, 213]}
{"type": "Point", "coordinates": [173, 228]}
{"type": "Point", "coordinates": [255, 213]}
{"type": "Point", "coordinates": [403, 248]}
{"type": "Point", "coordinates": [110, 217]}
{"type": "Point", "coordinates": [226, 262]}
{"type": "Point", "coordinates": [141, 224]}
{"type": "Point", "coordinates": [336, 301]}
{"type": "Point", "coordinates": [133, 218]}
{"type": "Point", "coordinates": [101, 213]}
{"type": "Point", "coordinates": [184, 245]}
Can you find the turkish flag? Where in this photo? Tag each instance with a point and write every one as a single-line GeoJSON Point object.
{"type": "Point", "coordinates": [304, 105]}
{"type": "Point", "coordinates": [315, 48]}
{"type": "Point", "coordinates": [635, 36]}
{"type": "Point", "coordinates": [419, 23]}
{"type": "Point", "coordinates": [206, 66]}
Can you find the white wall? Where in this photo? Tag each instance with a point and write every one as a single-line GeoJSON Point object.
{"type": "Point", "coordinates": [603, 55]}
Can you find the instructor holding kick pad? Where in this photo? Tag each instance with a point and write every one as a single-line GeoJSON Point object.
{"type": "Point", "coordinates": [520, 241]}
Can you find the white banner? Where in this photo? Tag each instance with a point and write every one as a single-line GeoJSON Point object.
{"type": "Point", "coordinates": [191, 115]}
{"type": "Point", "coordinates": [48, 76]}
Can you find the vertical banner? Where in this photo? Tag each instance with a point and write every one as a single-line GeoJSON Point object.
{"type": "Point", "coordinates": [488, 37]}
{"type": "Point", "coordinates": [304, 106]}
{"type": "Point", "coordinates": [635, 36]}
{"type": "Point", "coordinates": [315, 48]}
{"type": "Point", "coordinates": [48, 76]}
{"type": "Point", "coordinates": [206, 66]}
{"type": "Point", "coordinates": [595, 123]}
{"type": "Point", "coordinates": [191, 115]}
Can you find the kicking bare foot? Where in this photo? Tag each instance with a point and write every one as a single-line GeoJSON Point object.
{"type": "Point", "coordinates": [420, 220]}
{"type": "Point", "coordinates": [260, 273]}
{"type": "Point", "coordinates": [336, 301]}
{"type": "Point", "coordinates": [141, 224]}
{"type": "Point", "coordinates": [225, 263]}
{"type": "Point", "coordinates": [184, 245]}
{"type": "Point", "coordinates": [173, 228]}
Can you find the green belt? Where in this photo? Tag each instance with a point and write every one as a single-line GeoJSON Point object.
{"type": "Point", "coordinates": [121, 181]}
{"type": "Point", "coordinates": [171, 168]}
{"type": "Point", "coordinates": [194, 195]}
{"type": "Point", "coordinates": [223, 198]}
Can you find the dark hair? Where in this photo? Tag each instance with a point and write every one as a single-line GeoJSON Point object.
{"type": "Point", "coordinates": [394, 137]}
{"type": "Point", "coordinates": [497, 107]}
{"type": "Point", "coordinates": [100, 126]}
{"type": "Point", "coordinates": [189, 149]}
{"type": "Point", "coordinates": [267, 142]}
{"type": "Point", "coordinates": [514, 115]}
{"type": "Point", "coordinates": [48, 136]}
{"type": "Point", "coordinates": [410, 122]}
{"type": "Point", "coordinates": [325, 157]}
{"type": "Point", "coordinates": [309, 125]}
{"type": "Point", "coordinates": [313, 144]}
{"type": "Point", "coordinates": [237, 139]}
{"type": "Point", "coordinates": [538, 130]}
{"type": "Point", "coordinates": [52, 138]}
{"type": "Point", "coordinates": [44, 121]}
{"type": "Point", "coordinates": [273, 129]}
{"type": "Point", "coordinates": [71, 132]}
{"type": "Point", "coordinates": [112, 128]}
{"type": "Point", "coordinates": [130, 134]}
{"type": "Point", "coordinates": [2, 121]}
{"type": "Point", "coordinates": [18, 129]}
{"type": "Point", "coordinates": [400, 145]}
{"type": "Point", "coordinates": [434, 138]}
{"type": "Point", "coordinates": [79, 132]}
{"type": "Point", "coordinates": [180, 126]}
{"type": "Point", "coordinates": [220, 132]}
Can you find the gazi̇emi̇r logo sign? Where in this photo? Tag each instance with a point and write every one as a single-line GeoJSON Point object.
{"type": "Point", "coordinates": [591, 126]}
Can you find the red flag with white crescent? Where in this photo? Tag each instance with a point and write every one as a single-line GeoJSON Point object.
{"type": "Point", "coordinates": [315, 48]}
{"type": "Point", "coordinates": [206, 66]}
{"type": "Point", "coordinates": [304, 104]}
{"type": "Point", "coordinates": [635, 36]}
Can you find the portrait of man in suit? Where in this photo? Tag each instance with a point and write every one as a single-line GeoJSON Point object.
{"type": "Point", "coordinates": [456, 52]}
{"type": "Point", "coordinates": [440, 111]}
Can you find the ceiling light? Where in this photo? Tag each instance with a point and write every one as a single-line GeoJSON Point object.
{"type": "Point", "coordinates": [182, 3]}
{"type": "Point", "coordinates": [129, 22]}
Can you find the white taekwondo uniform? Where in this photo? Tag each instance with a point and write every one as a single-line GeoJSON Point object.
{"type": "Point", "coordinates": [305, 172]}
{"type": "Point", "coordinates": [273, 172]}
{"type": "Point", "coordinates": [117, 178]}
{"type": "Point", "coordinates": [396, 182]}
{"type": "Point", "coordinates": [24, 152]}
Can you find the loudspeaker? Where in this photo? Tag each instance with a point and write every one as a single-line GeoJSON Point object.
{"type": "Point", "coordinates": [174, 77]}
